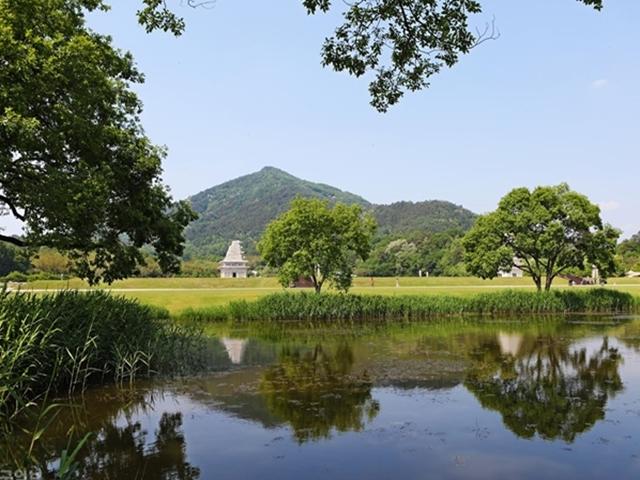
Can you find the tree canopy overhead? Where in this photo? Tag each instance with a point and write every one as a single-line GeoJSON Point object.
{"type": "Point", "coordinates": [544, 232]}
{"type": "Point", "coordinates": [75, 164]}
{"type": "Point", "coordinates": [318, 241]}
{"type": "Point", "coordinates": [401, 43]}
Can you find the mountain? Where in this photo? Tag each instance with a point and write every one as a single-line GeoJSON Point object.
{"type": "Point", "coordinates": [431, 215]}
{"type": "Point", "coordinates": [241, 209]}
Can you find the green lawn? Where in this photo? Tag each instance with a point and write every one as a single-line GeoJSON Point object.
{"type": "Point", "coordinates": [177, 294]}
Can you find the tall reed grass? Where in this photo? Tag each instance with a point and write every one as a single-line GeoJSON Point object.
{"type": "Point", "coordinates": [310, 307]}
{"type": "Point", "coordinates": [60, 343]}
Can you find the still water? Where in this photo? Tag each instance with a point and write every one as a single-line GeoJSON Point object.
{"type": "Point", "coordinates": [536, 399]}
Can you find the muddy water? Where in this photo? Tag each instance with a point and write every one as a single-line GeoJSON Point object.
{"type": "Point", "coordinates": [543, 399]}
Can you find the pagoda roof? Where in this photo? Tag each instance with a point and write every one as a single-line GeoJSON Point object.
{"type": "Point", "coordinates": [234, 253]}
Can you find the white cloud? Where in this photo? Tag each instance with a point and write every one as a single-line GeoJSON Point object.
{"type": "Point", "coordinates": [600, 83]}
{"type": "Point", "coordinates": [609, 205]}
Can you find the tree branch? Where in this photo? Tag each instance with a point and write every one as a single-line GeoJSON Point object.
{"type": "Point", "coordinates": [12, 240]}
{"type": "Point", "coordinates": [12, 207]}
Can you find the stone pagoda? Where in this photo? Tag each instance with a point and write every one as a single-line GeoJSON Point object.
{"type": "Point", "coordinates": [234, 265]}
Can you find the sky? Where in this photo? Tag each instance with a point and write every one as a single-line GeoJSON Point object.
{"type": "Point", "coordinates": [554, 99]}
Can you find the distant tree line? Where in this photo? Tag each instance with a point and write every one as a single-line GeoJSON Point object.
{"type": "Point", "coordinates": [548, 232]}
{"type": "Point", "coordinates": [414, 253]}
{"type": "Point", "coordinates": [629, 254]}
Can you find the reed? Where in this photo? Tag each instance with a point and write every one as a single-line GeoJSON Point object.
{"type": "Point", "coordinates": [61, 343]}
{"type": "Point", "coordinates": [310, 307]}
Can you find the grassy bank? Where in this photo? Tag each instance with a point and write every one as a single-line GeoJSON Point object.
{"type": "Point", "coordinates": [180, 294]}
{"type": "Point", "coordinates": [267, 283]}
{"type": "Point", "coordinates": [60, 343]}
{"type": "Point", "coordinates": [309, 307]}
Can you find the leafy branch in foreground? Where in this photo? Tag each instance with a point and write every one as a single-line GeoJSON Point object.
{"type": "Point", "coordinates": [401, 42]}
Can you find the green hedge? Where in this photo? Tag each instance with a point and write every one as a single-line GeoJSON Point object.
{"type": "Point", "coordinates": [331, 307]}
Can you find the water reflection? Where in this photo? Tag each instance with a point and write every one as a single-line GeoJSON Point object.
{"type": "Point", "coordinates": [418, 390]}
{"type": "Point", "coordinates": [315, 392]}
{"type": "Point", "coordinates": [128, 452]}
{"type": "Point", "coordinates": [545, 386]}
{"type": "Point", "coordinates": [235, 348]}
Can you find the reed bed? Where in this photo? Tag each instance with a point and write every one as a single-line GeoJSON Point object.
{"type": "Point", "coordinates": [61, 343]}
{"type": "Point", "coordinates": [309, 307]}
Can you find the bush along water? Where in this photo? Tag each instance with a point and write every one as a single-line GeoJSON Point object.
{"type": "Point", "coordinates": [61, 343]}
{"type": "Point", "coordinates": [338, 307]}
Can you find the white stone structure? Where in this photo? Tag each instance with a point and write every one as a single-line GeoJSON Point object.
{"type": "Point", "coordinates": [515, 272]}
{"type": "Point", "coordinates": [234, 265]}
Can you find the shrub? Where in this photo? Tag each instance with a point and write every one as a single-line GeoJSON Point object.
{"type": "Point", "coordinates": [34, 277]}
{"type": "Point", "coordinates": [16, 277]}
{"type": "Point", "coordinates": [199, 268]}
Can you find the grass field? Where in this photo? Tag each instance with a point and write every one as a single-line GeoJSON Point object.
{"type": "Point", "coordinates": [178, 294]}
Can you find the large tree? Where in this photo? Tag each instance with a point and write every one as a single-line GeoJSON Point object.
{"type": "Point", "coordinates": [629, 252]}
{"type": "Point", "coordinates": [401, 43]}
{"type": "Point", "coordinates": [544, 232]}
{"type": "Point", "coordinates": [75, 164]}
{"type": "Point", "coordinates": [318, 241]}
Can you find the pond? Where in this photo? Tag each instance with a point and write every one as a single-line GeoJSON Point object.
{"type": "Point", "coordinates": [461, 400]}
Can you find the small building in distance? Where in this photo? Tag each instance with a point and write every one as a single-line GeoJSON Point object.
{"type": "Point", "coordinates": [234, 265]}
{"type": "Point", "coordinates": [515, 272]}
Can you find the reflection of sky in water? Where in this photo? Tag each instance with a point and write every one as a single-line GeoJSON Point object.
{"type": "Point", "coordinates": [413, 405]}
{"type": "Point", "coordinates": [420, 434]}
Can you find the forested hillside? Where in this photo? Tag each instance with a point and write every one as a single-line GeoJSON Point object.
{"type": "Point", "coordinates": [241, 209]}
{"type": "Point", "coordinates": [431, 216]}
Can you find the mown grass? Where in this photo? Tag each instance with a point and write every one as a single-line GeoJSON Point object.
{"type": "Point", "coordinates": [181, 294]}
{"type": "Point", "coordinates": [310, 307]}
{"type": "Point", "coordinates": [61, 343]}
{"type": "Point", "coordinates": [272, 283]}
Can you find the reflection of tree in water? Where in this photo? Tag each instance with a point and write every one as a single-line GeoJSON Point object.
{"type": "Point", "coordinates": [629, 334]}
{"type": "Point", "coordinates": [123, 452]}
{"type": "Point", "coordinates": [546, 389]}
{"type": "Point", "coordinates": [315, 392]}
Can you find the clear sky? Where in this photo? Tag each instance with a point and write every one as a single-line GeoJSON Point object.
{"type": "Point", "coordinates": [555, 99]}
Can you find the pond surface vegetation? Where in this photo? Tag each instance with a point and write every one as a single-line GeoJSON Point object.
{"type": "Point", "coordinates": [462, 400]}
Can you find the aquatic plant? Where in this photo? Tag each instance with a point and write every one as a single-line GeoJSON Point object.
{"type": "Point", "coordinates": [60, 343]}
{"type": "Point", "coordinates": [333, 307]}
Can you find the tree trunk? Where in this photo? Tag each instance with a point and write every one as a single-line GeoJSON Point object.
{"type": "Point", "coordinates": [317, 284]}
{"type": "Point", "coordinates": [548, 282]}
{"type": "Point", "coordinates": [538, 282]}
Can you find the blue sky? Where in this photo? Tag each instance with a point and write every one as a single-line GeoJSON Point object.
{"type": "Point", "coordinates": [554, 99]}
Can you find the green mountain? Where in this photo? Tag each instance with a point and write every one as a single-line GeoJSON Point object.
{"type": "Point", "coordinates": [430, 215]}
{"type": "Point", "coordinates": [241, 209]}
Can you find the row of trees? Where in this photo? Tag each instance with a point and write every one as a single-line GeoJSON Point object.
{"type": "Point", "coordinates": [546, 232]}
{"type": "Point", "coordinates": [19, 264]}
